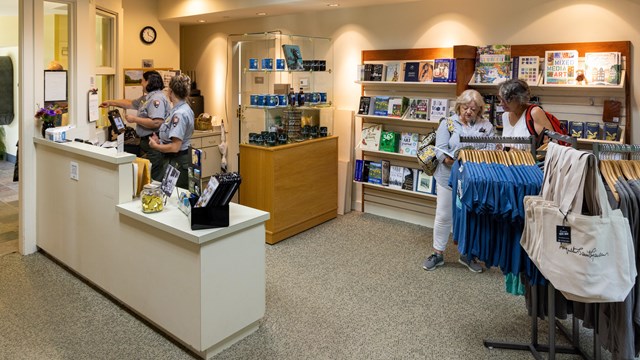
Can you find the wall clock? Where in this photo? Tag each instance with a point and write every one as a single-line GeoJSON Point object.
{"type": "Point", "coordinates": [148, 35]}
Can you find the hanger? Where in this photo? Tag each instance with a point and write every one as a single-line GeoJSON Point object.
{"type": "Point", "coordinates": [609, 177]}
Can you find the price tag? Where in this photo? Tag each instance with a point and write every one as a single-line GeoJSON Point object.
{"type": "Point", "coordinates": [563, 234]}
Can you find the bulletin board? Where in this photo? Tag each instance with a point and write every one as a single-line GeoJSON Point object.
{"type": "Point", "coordinates": [133, 81]}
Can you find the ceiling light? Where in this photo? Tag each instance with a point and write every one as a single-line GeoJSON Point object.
{"type": "Point", "coordinates": [201, 21]}
{"type": "Point", "coordinates": [261, 13]}
{"type": "Point", "coordinates": [333, 5]}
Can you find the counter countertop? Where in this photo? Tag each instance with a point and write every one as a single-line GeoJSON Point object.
{"type": "Point", "coordinates": [175, 222]}
{"type": "Point", "coordinates": [109, 155]}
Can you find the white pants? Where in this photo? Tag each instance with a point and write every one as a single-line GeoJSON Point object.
{"type": "Point", "coordinates": [444, 218]}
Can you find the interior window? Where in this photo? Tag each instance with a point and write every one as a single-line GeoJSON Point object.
{"type": "Point", "coordinates": [105, 60]}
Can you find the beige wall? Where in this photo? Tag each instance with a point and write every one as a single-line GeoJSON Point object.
{"type": "Point", "coordinates": [165, 52]}
{"type": "Point", "coordinates": [415, 25]}
{"type": "Point", "coordinates": [9, 47]}
{"type": "Point", "coordinates": [9, 31]}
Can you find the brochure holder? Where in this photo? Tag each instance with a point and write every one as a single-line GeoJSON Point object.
{"type": "Point", "coordinates": [208, 217]}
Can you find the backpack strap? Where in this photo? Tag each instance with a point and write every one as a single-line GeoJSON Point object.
{"type": "Point", "coordinates": [529, 121]}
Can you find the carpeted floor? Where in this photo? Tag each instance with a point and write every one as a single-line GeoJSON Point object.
{"type": "Point", "coordinates": [351, 288]}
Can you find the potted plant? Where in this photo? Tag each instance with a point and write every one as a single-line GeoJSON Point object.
{"type": "Point", "coordinates": [49, 115]}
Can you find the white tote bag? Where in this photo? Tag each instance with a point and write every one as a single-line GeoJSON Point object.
{"type": "Point", "coordinates": [598, 264]}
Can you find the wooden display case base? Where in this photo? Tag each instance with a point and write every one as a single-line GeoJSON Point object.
{"type": "Point", "coordinates": [296, 183]}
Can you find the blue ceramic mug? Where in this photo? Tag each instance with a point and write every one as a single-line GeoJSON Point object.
{"type": "Point", "coordinates": [267, 64]}
{"type": "Point", "coordinates": [261, 99]}
{"type": "Point", "coordinates": [253, 99]}
{"type": "Point", "coordinates": [280, 64]}
{"type": "Point", "coordinates": [272, 100]}
{"type": "Point", "coordinates": [282, 100]}
{"type": "Point", "coordinates": [253, 64]}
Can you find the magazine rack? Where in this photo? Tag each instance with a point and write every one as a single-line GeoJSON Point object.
{"type": "Point", "coordinates": [208, 217]}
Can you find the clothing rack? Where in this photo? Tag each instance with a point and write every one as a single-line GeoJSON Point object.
{"type": "Point", "coordinates": [526, 140]}
{"type": "Point", "coordinates": [534, 346]}
{"type": "Point", "coordinates": [600, 148]}
{"type": "Point", "coordinates": [561, 138]}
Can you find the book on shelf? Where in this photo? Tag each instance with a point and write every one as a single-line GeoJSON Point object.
{"type": "Point", "coordinates": [397, 106]}
{"type": "Point", "coordinates": [418, 109]}
{"type": "Point", "coordinates": [386, 165]}
{"type": "Point", "coordinates": [375, 173]}
{"type": "Point", "coordinates": [576, 129]}
{"type": "Point", "coordinates": [426, 71]}
{"type": "Point", "coordinates": [389, 141]}
{"type": "Point", "coordinates": [370, 139]}
{"type": "Point", "coordinates": [425, 183]}
{"type": "Point", "coordinates": [493, 64]}
{"type": "Point", "coordinates": [412, 71]}
{"type": "Point", "coordinates": [409, 143]}
{"type": "Point", "coordinates": [527, 68]}
{"type": "Point", "coordinates": [409, 181]}
{"type": "Point", "coordinates": [364, 107]}
{"type": "Point", "coordinates": [393, 72]}
{"type": "Point", "coordinates": [592, 130]}
{"type": "Point", "coordinates": [439, 109]}
{"type": "Point", "coordinates": [442, 70]}
{"type": "Point", "coordinates": [357, 170]}
{"type": "Point", "coordinates": [487, 109]}
{"type": "Point", "coordinates": [610, 132]}
{"type": "Point", "coordinates": [396, 176]}
{"type": "Point", "coordinates": [381, 105]}
{"type": "Point", "coordinates": [360, 72]}
{"type": "Point", "coordinates": [293, 57]}
{"type": "Point", "coordinates": [603, 68]}
{"type": "Point", "coordinates": [560, 67]}
{"type": "Point", "coordinates": [377, 72]}
{"type": "Point", "coordinates": [365, 171]}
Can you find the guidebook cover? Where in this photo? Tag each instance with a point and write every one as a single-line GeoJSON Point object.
{"type": "Point", "coordinates": [293, 56]}
{"type": "Point", "coordinates": [560, 67]}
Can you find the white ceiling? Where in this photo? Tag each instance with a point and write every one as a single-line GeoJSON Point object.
{"type": "Point", "coordinates": [186, 12]}
{"type": "Point", "coordinates": [230, 10]}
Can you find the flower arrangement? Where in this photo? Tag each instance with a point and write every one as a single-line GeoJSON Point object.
{"type": "Point", "coordinates": [49, 113]}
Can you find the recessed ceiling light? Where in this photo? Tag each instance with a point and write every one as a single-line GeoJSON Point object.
{"type": "Point", "coordinates": [333, 5]}
{"type": "Point", "coordinates": [261, 13]}
{"type": "Point", "coordinates": [201, 21]}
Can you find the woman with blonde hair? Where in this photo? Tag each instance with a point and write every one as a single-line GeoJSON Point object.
{"type": "Point", "coordinates": [467, 121]}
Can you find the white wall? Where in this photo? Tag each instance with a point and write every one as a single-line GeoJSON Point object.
{"type": "Point", "coordinates": [415, 25]}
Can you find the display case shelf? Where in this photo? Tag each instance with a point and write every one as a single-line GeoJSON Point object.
{"type": "Point", "coordinates": [398, 191]}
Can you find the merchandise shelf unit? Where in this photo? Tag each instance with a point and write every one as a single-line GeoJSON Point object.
{"type": "Point", "coordinates": [295, 182]}
{"type": "Point", "coordinates": [411, 206]}
{"type": "Point", "coordinates": [578, 102]}
{"type": "Point", "coordinates": [258, 79]}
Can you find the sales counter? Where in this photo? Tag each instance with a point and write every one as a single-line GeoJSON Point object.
{"type": "Point", "coordinates": [204, 288]}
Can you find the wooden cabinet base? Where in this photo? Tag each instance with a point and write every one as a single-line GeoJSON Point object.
{"type": "Point", "coordinates": [296, 183]}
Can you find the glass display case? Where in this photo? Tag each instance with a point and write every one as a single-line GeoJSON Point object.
{"type": "Point", "coordinates": [280, 73]}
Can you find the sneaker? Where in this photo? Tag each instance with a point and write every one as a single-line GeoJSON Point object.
{"type": "Point", "coordinates": [433, 261]}
{"type": "Point", "coordinates": [472, 264]}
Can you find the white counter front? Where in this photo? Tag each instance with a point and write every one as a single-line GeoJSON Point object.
{"type": "Point", "coordinates": [205, 288]}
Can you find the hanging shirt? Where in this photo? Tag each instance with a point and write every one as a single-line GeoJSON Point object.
{"type": "Point", "coordinates": [448, 142]}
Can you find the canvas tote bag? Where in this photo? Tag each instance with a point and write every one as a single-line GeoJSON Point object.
{"type": "Point", "coordinates": [598, 264]}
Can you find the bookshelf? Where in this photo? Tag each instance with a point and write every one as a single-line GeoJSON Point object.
{"type": "Point", "coordinates": [578, 102]}
{"type": "Point", "coordinates": [411, 206]}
